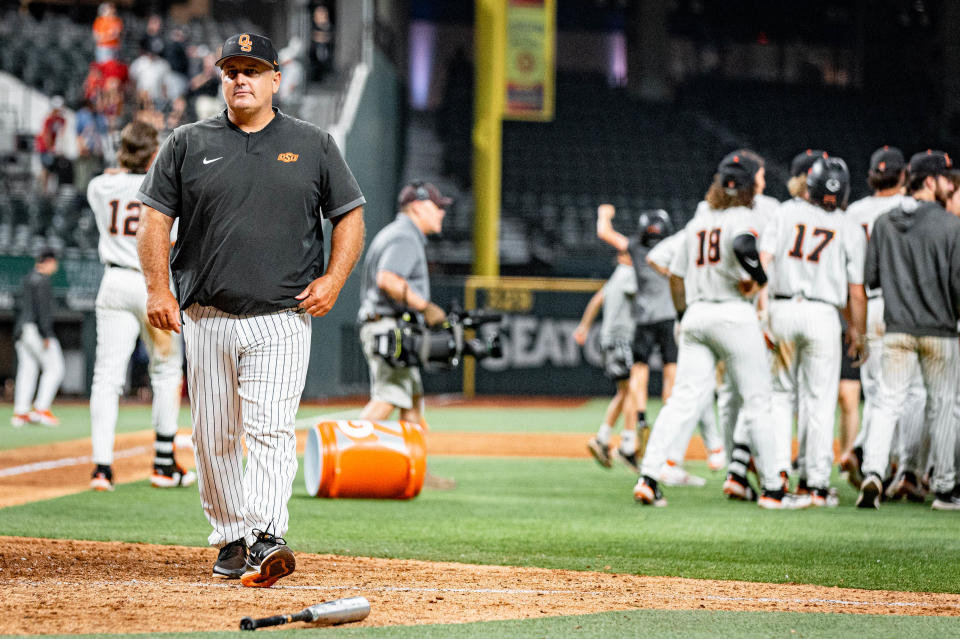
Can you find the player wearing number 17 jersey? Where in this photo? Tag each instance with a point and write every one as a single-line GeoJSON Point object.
{"type": "Point", "coordinates": [817, 255]}
{"type": "Point", "coordinates": [121, 310]}
{"type": "Point", "coordinates": [713, 276]}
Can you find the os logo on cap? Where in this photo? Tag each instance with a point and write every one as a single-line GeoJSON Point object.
{"type": "Point", "coordinates": [246, 44]}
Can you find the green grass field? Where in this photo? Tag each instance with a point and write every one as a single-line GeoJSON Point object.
{"type": "Point", "coordinates": [558, 513]}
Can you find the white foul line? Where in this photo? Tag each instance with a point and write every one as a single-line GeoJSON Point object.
{"type": "Point", "coordinates": [69, 461]}
{"type": "Point", "coordinates": [182, 442]}
{"type": "Point", "coordinates": [498, 591]}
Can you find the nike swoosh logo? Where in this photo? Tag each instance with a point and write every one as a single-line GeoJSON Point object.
{"type": "Point", "coordinates": [206, 161]}
{"type": "Point", "coordinates": [751, 263]}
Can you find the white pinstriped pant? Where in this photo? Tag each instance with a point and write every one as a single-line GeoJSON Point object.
{"type": "Point", "coordinates": [245, 375]}
{"type": "Point", "coordinates": [939, 358]}
{"type": "Point", "coordinates": [910, 429]}
{"type": "Point", "coordinates": [811, 383]}
{"type": "Point", "coordinates": [726, 331]}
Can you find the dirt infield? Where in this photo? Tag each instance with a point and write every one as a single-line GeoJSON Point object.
{"type": "Point", "coordinates": [85, 587]}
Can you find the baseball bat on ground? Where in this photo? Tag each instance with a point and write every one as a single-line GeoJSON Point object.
{"type": "Point", "coordinates": [328, 613]}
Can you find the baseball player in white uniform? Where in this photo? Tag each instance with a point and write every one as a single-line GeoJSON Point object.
{"type": "Point", "coordinates": [885, 177]}
{"type": "Point", "coordinates": [122, 317]}
{"type": "Point", "coordinates": [728, 400]}
{"type": "Point", "coordinates": [659, 259]}
{"type": "Point", "coordinates": [815, 256]}
{"type": "Point", "coordinates": [713, 278]}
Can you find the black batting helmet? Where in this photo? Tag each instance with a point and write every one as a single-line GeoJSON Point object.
{"type": "Point", "coordinates": [828, 183]}
{"type": "Point", "coordinates": [653, 226]}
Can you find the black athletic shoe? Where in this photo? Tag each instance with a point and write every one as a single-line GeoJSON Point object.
{"type": "Point", "coordinates": [630, 461]}
{"type": "Point", "coordinates": [270, 559]}
{"type": "Point", "coordinates": [232, 560]}
{"type": "Point", "coordinates": [870, 491]}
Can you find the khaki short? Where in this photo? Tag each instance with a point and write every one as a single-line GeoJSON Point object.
{"type": "Point", "coordinates": [393, 385]}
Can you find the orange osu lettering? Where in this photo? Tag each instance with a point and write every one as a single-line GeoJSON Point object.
{"type": "Point", "coordinates": [246, 44]}
{"type": "Point", "coordinates": [288, 157]}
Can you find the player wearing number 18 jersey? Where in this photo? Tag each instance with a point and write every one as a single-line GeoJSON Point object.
{"type": "Point", "coordinates": [121, 310]}
{"type": "Point", "coordinates": [713, 276]}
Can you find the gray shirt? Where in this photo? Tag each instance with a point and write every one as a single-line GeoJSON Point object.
{"type": "Point", "coordinates": [653, 302]}
{"type": "Point", "coordinates": [914, 256]}
{"type": "Point", "coordinates": [36, 304]}
{"type": "Point", "coordinates": [398, 248]}
{"type": "Point", "coordinates": [618, 324]}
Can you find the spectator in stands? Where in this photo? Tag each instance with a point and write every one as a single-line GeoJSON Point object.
{"type": "Point", "coordinates": [149, 73]}
{"type": "Point", "coordinates": [92, 131]}
{"type": "Point", "coordinates": [107, 29]}
{"type": "Point", "coordinates": [291, 83]}
{"type": "Point", "coordinates": [153, 39]}
{"type": "Point", "coordinates": [46, 141]}
{"type": "Point", "coordinates": [321, 42]}
{"type": "Point", "coordinates": [175, 53]}
{"type": "Point", "coordinates": [205, 89]}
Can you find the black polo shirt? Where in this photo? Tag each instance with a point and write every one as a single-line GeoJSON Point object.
{"type": "Point", "coordinates": [249, 205]}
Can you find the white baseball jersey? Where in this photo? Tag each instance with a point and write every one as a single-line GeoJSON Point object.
{"type": "Point", "coordinates": [116, 209]}
{"type": "Point", "coordinates": [818, 253]}
{"type": "Point", "coordinates": [865, 211]}
{"type": "Point", "coordinates": [705, 260]}
{"type": "Point", "coordinates": [662, 254]}
{"type": "Point", "coordinates": [764, 208]}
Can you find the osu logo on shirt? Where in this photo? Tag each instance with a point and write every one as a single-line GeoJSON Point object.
{"type": "Point", "coordinates": [246, 44]}
{"type": "Point", "coordinates": [288, 157]}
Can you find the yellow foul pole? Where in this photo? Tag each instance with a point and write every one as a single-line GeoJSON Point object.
{"type": "Point", "coordinates": [489, 48]}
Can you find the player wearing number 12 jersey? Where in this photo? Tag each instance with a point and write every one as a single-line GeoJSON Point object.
{"type": "Point", "coordinates": [713, 276]}
{"type": "Point", "coordinates": [121, 310]}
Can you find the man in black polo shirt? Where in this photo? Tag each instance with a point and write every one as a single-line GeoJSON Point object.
{"type": "Point", "coordinates": [249, 188]}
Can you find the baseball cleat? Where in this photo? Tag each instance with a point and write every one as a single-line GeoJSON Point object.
{"type": "Point", "coordinates": [906, 485]}
{"type": "Point", "coordinates": [850, 465]}
{"type": "Point", "coordinates": [269, 559]}
{"type": "Point", "coordinates": [231, 560]}
{"type": "Point", "coordinates": [647, 492]}
{"type": "Point", "coordinates": [870, 490]}
{"type": "Point", "coordinates": [782, 500]}
{"type": "Point", "coordinates": [102, 479]}
{"type": "Point", "coordinates": [172, 476]}
{"type": "Point", "coordinates": [824, 497]}
{"type": "Point", "coordinates": [600, 452]}
{"type": "Point", "coordinates": [630, 461]}
{"type": "Point", "coordinates": [19, 419]}
{"type": "Point", "coordinates": [737, 487]}
{"type": "Point", "coordinates": [716, 459]}
{"type": "Point", "coordinates": [672, 474]}
{"type": "Point", "coordinates": [44, 418]}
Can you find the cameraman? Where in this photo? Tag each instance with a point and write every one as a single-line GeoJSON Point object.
{"type": "Point", "coordinates": [395, 280]}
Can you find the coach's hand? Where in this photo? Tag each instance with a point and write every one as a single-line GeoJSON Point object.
{"type": "Point", "coordinates": [163, 312]}
{"type": "Point", "coordinates": [319, 296]}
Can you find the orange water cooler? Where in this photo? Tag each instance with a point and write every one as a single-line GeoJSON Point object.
{"type": "Point", "coordinates": [360, 458]}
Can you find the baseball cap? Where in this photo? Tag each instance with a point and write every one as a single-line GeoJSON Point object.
{"type": "Point", "coordinates": [930, 162]}
{"type": "Point", "coordinates": [250, 45]}
{"type": "Point", "coordinates": [801, 163]}
{"type": "Point", "coordinates": [887, 160]}
{"type": "Point", "coordinates": [422, 191]}
{"type": "Point", "coordinates": [738, 171]}
{"type": "Point", "coordinates": [46, 254]}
